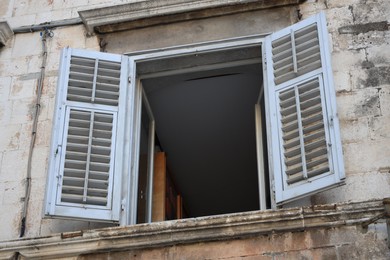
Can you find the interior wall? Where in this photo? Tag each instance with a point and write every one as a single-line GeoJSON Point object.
{"type": "Point", "coordinates": [205, 122]}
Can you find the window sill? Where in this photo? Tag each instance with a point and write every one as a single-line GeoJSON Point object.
{"type": "Point", "coordinates": [149, 13]}
{"type": "Point", "coordinates": [203, 229]}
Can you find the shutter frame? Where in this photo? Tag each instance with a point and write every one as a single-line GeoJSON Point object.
{"type": "Point", "coordinates": [284, 192]}
{"type": "Point", "coordinates": [109, 211]}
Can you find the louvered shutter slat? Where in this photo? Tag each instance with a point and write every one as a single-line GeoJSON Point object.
{"type": "Point", "coordinates": [306, 151]}
{"type": "Point", "coordinates": [301, 46]}
{"type": "Point", "coordinates": [87, 157]}
{"type": "Point", "coordinates": [94, 81]}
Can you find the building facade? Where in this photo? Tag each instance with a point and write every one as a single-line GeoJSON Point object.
{"type": "Point", "coordinates": [294, 164]}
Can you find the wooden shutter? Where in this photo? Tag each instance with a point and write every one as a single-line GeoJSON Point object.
{"type": "Point", "coordinates": [304, 141]}
{"type": "Point", "coordinates": [84, 175]}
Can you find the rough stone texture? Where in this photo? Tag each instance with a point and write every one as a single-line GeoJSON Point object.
{"type": "Point", "coordinates": [343, 243]}
{"type": "Point", "coordinates": [361, 66]}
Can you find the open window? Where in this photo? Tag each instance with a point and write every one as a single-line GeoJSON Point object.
{"type": "Point", "coordinates": [245, 124]}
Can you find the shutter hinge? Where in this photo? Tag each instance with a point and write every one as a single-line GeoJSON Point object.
{"type": "Point", "coordinates": [331, 121]}
{"type": "Point", "coordinates": [57, 150]}
{"type": "Point", "coordinates": [123, 204]}
{"type": "Point", "coordinates": [58, 180]}
{"type": "Point", "coordinates": [129, 79]}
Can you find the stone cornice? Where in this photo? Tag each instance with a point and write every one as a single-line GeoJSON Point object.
{"type": "Point", "coordinates": [153, 12]}
{"type": "Point", "coordinates": [193, 230]}
{"type": "Point", "coordinates": [5, 33]}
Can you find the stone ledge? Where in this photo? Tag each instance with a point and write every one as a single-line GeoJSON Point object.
{"type": "Point", "coordinates": [203, 229]}
{"type": "Point", "coordinates": [5, 33]}
{"type": "Point", "coordinates": [148, 13]}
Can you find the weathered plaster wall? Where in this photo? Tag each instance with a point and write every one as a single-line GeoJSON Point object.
{"type": "Point", "coordinates": [361, 65]}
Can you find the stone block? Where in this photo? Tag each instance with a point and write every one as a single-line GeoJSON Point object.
{"type": "Point", "coordinates": [34, 64]}
{"type": "Point", "coordinates": [27, 44]}
{"type": "Point", "coordinates": [54, 15]}
{"type": "Point", "coordinates": [341, 42]}
{"type": "Point", "coordinates": [14, 192]}
{"type": "Point", "coordinates": [53, 62]}
{"type": "Point", "coordinates": [49, 89]}
{"type": "Point", "coordinates": [345, 61]}
{"type": "Point", "coordinates": [14, 67]}
{"type": "Point", "coordinates": [21, 20]}
{"type": "Point", "coordinates": [62, 38]}
{"type": "Point", "coordinates": [24, 7]}
{"type": "Point", "coordinates": [14, 165]}
{"type": "Point", "coordinates": [377, 76]}
{"type": "Point", "coordinates": [369, 39]}
{"type": "Point", "coordinates": [49, 106]}
{"type": "Point", "coordinates": [10, 216]}
{"type": "Point", "coordinates": [355, 130]}
{"type": "Point", "coordinates": [379, 55]}
{"type": "Point", "coordinates": [51, 226]}
{"type": "Point", "coordinates": [22, 111]}
{"type": "Point", "coordinates": [39, 166]}
{"type": "Point", "coordinates": [92, 43]}
{"type": "Point", "coordinates": [61, 5]}
{"type": "Point", "coordinates": [338, 3]}
{"type": "Point", "coordinates": [5, 86]}
{"type": "Point", "coordinates": [43, 133]}
{"type": "Point", "coordinates": [358, 187]}
{"type": "Point", "coordinates": [338, 17]}
{"type": "Point", "coordinates": [10, 137]}
{"type": "Point", "coordinates": [311, 7]}
{"type": "Point", "coordinates": [366, 156]}
{"type": "Point", "coordinates": [360, 103]}
{"type": "Point", "coordinates": [6, 51]}
{"type": "Point", "coordinates": [22, 89]}
{"type": "Point", "coordinates": [6, 8]}
{"type": "Point", "coordinates": [384, 97]}
{"type": "Point", "coordinates": [342, 81]}
{"type": "Point", "coordinates": [5, 112]}
{"type": "Point", "coordinates": [301, 254]}
{"type": "Point", "coordinates": [379, 128]}
{"type": "Point", "coordinates": [371, 12]}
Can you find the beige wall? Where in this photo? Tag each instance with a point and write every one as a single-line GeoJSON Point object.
{"type": "Point", "coordinates": [361, 66]}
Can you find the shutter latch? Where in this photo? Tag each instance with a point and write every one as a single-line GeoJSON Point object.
{"type": "Point", "coordinates": [123, 204]}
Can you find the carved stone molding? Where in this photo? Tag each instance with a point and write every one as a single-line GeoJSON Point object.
{"type": "Point", "coordinates": [5, 33]}
{"type": "Point", "coordinates": [152, 12]}
{"type": "Point", "coordinates": [193, 230]}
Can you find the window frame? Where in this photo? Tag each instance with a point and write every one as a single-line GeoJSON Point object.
{"type": "Point", "coordinates": [130, 116]}
{"type": "Point", "coordinates": [176, 51]}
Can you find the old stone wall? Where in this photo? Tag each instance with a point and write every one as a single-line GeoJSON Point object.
{"type": "Point", "coordinates": [339, 243]}
{"type": "Point", "coordinates": [360, 42]}
{"type": "Point", "coordinates": [360, 38]}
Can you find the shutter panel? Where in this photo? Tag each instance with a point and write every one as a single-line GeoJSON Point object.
{"type": "Point", "coordinates": [304, 145]}
{"type": "Point", "coordinates": [84, 175]}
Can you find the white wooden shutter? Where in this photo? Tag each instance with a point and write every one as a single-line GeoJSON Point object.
{"type": "Point", "coordinates": [304, 141]}
{"type": "Point", "coordinates": [84, 172]}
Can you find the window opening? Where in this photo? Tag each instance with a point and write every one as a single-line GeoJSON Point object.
{"type": "Point", "coordinates": [204, 109]}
